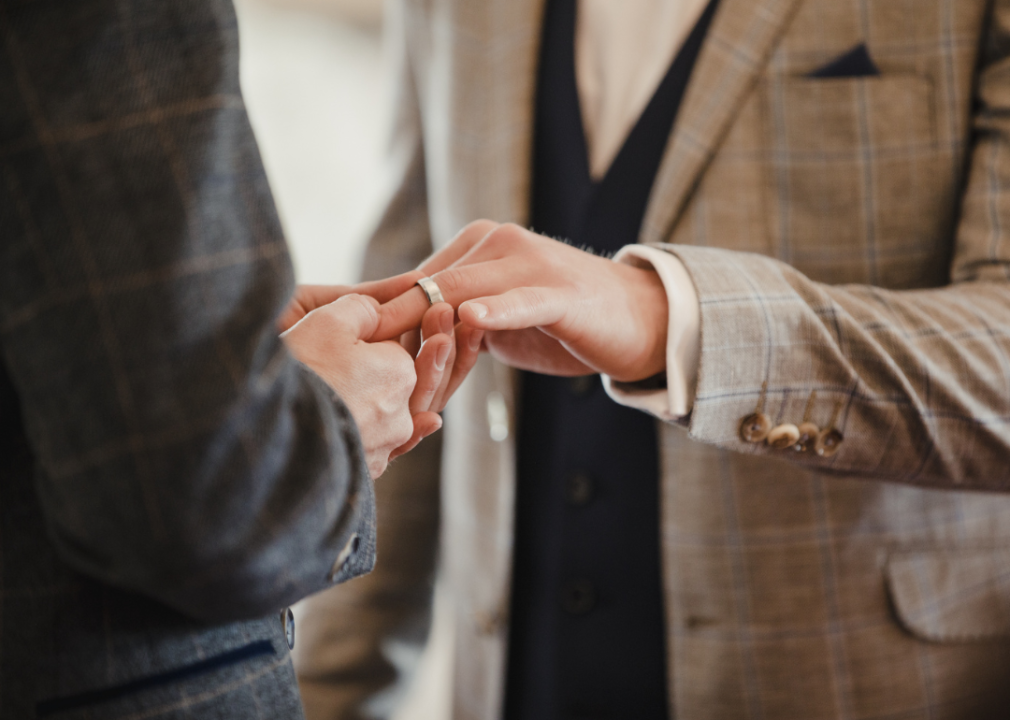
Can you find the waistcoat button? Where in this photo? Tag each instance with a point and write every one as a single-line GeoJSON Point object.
{"type": "Point", "coordinates": [578, 597]}
{"type": "Point", "coordinates": [580, 489]}
{"type": "Point", "coordinates": [582, 386]}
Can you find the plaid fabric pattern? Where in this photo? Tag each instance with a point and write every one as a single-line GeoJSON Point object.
{"type": "Point", "coordinates": [847, 236]}
{"type": "Point", "coordinates": [949, 596]}
{"type": "Point", "coordinates": [164, 458]}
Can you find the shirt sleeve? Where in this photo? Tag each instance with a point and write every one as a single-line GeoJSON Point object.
{"type": "Point", "coordinates": [683, 340]}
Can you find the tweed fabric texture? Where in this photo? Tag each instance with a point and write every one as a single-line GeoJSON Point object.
{"type": "Point", "coordinates": [846, 236]}
{"type": "Point", "coordinates": [170, 477]}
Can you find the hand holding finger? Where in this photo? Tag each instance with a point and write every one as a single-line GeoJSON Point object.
{"type": "Point", "coordinates": [375, 380]}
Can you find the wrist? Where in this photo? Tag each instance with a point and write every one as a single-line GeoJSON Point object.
{"type": "Point", "coordinates": [649, 311]}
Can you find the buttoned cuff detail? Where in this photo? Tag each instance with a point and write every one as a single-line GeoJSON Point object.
{"type": "Point", "coordinates": [683, 340]}
{"type": "Point", "coordinates": [349, 550]}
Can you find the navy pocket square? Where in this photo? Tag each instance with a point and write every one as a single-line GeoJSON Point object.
{"type": "Point", "coordinates": [853, 64]}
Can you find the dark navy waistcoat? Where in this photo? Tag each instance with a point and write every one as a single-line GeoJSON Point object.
{"type": "Point", "coordinates": [587, 637]}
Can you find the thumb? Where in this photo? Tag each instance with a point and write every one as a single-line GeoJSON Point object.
{"type": "Point", "coordinates": [358, 313]}
{"type": "Point", "coordinates": [517, 309]}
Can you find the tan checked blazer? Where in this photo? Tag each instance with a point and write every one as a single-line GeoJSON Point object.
{"type": "Point", "coordinates": [849, 236]}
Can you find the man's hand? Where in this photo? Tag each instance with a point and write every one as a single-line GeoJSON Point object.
{"type": "Point", "coordinates": [438, 378]}
{"type": "Point", "coordinates": [544, 306]}
{"type": "Point", "coordinates": [377, 381]}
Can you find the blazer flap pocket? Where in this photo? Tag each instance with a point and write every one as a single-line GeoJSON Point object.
{"type": "Point", "coordinates": [952, 596]}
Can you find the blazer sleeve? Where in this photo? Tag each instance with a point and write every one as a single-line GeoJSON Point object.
{"type": "Point", "coordinates": [918, 382]}
{"type": "Point", "coordinates": [181, 452]}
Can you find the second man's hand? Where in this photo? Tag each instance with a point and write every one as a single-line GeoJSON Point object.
{"type": "Point", "coordinates": [543, 305]}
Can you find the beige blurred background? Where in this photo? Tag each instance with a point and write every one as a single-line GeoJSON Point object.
{"type": "Point", "coordinates": [314, 81]}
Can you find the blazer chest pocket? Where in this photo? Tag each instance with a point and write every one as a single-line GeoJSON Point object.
{"type": "Point", "coordinates": [952, 596]}
{"type": "Point", "coordinates": [855, 171]}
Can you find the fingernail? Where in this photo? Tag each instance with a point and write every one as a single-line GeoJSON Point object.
{"type": "Point", "coordinates": [480, 311]}
{"type": "Point", "coordinates": [438, 426]}
{"type": "Point", "coordinates": [446, 322]}
{"type": "Point", "coordinates": [442, 356]}
{"type": "Point", "coordinates": [475, 339]}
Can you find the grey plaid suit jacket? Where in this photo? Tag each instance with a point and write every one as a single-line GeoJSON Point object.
{"type": "Point", "coordinates": [170, 478]}
{"type": "Point", "coordinates": [849, 236]}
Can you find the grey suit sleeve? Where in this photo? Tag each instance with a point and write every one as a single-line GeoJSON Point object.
{"type": "Point", "coordinates": [918, 381]}
{"type": "Point", "coordinates": [182, 452]}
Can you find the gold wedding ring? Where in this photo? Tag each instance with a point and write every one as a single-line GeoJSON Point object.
{"type": "Point", "coordinates": [431, 289]}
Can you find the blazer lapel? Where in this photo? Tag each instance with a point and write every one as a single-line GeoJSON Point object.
{"type": "Point", "coordinates": [742, 37]}
{"type": "Point", "coordinates": [516, 27]}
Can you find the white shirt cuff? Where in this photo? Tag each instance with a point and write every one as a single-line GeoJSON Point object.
{"type": "Point", "coordinates": [683, 339]}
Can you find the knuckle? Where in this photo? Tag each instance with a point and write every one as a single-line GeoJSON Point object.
{"type": "Point", "coordinates": [474, 226]}
{"type": "Point", "coordinates": [503, 237]}
{"type": "Point", "coordinates": [366, 302]}
{"type": "Point", "coordinates": [475, 231]}
{"type": "Point", "coordinates": [328, 319]}
{"type": "Point", "coordinates": [449, 281]}
{"type": "Point", "coordinates": [377, 466]}
{"type": "Point", "coordinates": [405, 390]}
{"type": "Point", "coordinates": [408, 373]}
{"type": "Point", "coordinates": [519, 235]}
{"type": "Point", "coordinates": [404, 429]}
{"type": "Point", "coordinates": [338, 312]}
{"type": "Point", "coordinates": [493, 239]}
{"type": "Point", "coordinates": [548, 257]}
{"type": "Point", "coordinates": [530, 300]}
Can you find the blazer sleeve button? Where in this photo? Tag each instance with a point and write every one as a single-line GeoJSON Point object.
{"type": "Point", "coordinates": [288, 623]}
{"type": "Point", "coordinates": [784, 436]}
{"type": "Point", "coordinates": [828, 443]}
{"type": "Point", "coordinates": [755, 428]}
{"type": "Point", "coordinates": [808, 437]}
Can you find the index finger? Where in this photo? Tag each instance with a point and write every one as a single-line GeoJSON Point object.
{"type": "Point", "coordinates": [458, 284]}
{"type": "Point", "coordinates": [391, 288]}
